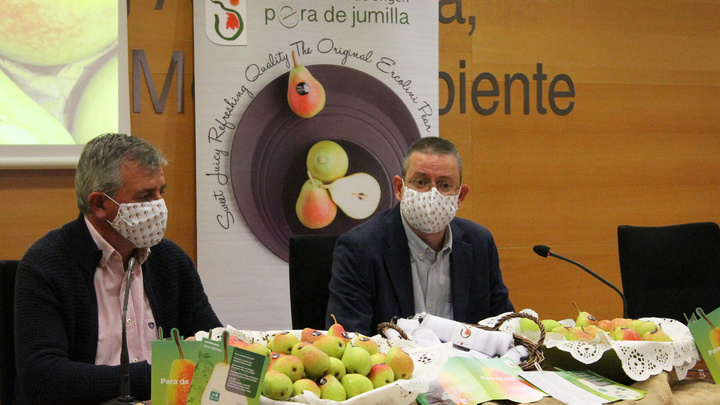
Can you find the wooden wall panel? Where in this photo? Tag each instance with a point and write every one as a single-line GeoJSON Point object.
{"type": "Point", "coordinates": [640, 146]}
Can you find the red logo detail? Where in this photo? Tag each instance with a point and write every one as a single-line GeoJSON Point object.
{"type": "Point", "coordinates": [465, 332]}
{"type": "Point", "coordinates": [232, 22]}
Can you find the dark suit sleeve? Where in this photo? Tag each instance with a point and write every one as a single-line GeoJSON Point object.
{"type": "Point", "coordinates": [351, 295]}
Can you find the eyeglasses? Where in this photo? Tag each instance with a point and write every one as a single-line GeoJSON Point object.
{"type": "Point", "coordinates": [422, 185]}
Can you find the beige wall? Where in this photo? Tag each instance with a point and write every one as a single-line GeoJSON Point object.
{"type": "Point", "coordinates": [640, 145]}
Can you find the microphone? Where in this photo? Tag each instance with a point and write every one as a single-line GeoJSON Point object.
{"type": "Point", "coordinates": [544, 251]}
{"type": "Point", "coordinates": [125, 397]}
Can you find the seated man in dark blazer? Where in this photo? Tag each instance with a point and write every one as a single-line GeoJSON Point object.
{"type": "Point", "coordinates": [417, 257]}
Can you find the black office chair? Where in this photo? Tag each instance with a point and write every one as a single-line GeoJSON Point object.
{"type": "Point", "coordinates": [7, 340]}
{"type": "Point", "coordinates": [669, 271]}
{"type": "Point", "coordinates": [310, 264]}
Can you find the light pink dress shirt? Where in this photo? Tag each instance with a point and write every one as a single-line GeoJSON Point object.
{"type": "Point", "coordinates": [109, 281]}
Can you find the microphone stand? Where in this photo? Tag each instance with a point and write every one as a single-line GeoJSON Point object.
{"type": "Point", "coordinates": [544, 251]}
{"type": "Point", "coordinates": [125, 397]}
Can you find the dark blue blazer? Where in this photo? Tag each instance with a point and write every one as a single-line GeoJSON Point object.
{"type": "Point", "coordinates": [372, 279]}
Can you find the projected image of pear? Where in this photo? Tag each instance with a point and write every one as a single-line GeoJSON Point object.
{"type": "Point", "coordinates": [328, 188]}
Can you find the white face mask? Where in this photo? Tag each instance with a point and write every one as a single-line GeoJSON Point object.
{"type": "Point", "coordinates": [143, 223]}
{"type": "Point", "coordinates": [430, 211]}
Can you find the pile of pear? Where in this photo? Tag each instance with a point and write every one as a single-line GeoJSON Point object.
{"type": "Point", "coordinates": [331, 365]}
{"type": "Point", "coordinates": [328, 188]}
{"type": "Point", "coordinates": [588, 326]}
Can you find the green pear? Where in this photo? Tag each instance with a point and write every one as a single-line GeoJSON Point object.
{"type": "Point", "coordinates": [584, 318]}
{"type": "Point", "coordinates": [331, 388]}
{"type": "Point", "coordinates": [401, 363]}
{"type": "Point", "coordinates": [356, 360]}
{"type": "Point", "coordinates": [277, 386]}
{"type": "Point", "coordinates": [528, 324]}
{"type": "Point", "coordinates": [297, 347]}
{"type": "Point", "coordinates": [381, 374]}
{"type": "Point", "coordinates": [622, 333]}
{"type": "Point", "coordinates": [576, 333]}
{"type": "Point", "coordinates": [314, 207]}
{"type": "Point", "coordinates": [305, 384]}
{"type": "Point", "coordinates": [356, 384]}
{"type": "Point", "coordinates": [366, 343]}
{"type": "Point", "coordinates": [657, 335]}
{"type": "Point", "coordinates": [315, 361]}
{"type": "Point", "coordinates": [327, 161]}
{"type": "Point", "coordinates": [357, 195]}
{"type": "Point", "coordinates": [305, 95]}
{"type": "Point", "coordinates": [338, 330]}
{"type": "Point", "coordinates": [283, 342]}
{"type": "Point", "coordinates": [337, 368]}
{"type": "Point", "coordinates": [291, 366]}
{"type": "Point", "coordinates": [642, 327]}
{"type": "Point", "coordinates": [550, 324]}
{"type": "Point", "coordinates": [258, 348]}
{"type": "Point", "coordinates": [332, 345]}
{"type": "Point", "coordinates": [378, 358]}
{"type": "Point", "coordinates": [274, 357]}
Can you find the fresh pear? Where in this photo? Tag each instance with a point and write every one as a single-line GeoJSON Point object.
{"type": "Point", "coordinates": [366, 343]}
{"type": "Point", "coordinates": [356, 384]}
{"type": "Point", "coordinates": [657, 335]}
{"type": "Point", "coordinates": [315, 361]}
{"type": "Point", "coordinates": [622, 333]}
{"type": "Point", "coordinates": [305, 384]}
{"type": "Point", "coordinates": [332, 345]}
{"type": "Point", "coordinates": [337, 368]}
{"type": "Point", "coordinates": [378, 358]}
{"type": "Point", "coordinates": [331, 388]}
{"type": "Point", "coordinates": [327, 161]}
{"type": "Point", "coordinates": [528, 324]}
{"type": "Point", "coordinates": [277, 386]}
{"type": "Point", "coordinates": [314, 208]}
{"type": "Point", "coordinates": [381, 374]}
{"type": "Point", "coordinates": [401, 363]}
{"type": "Point", "coordinates": [305, 94]}
{"type": "Point", "coordinates": [291, 366]}
{"type": "Point", "coordinates": [310, 335]}
{"type": "Point", "coordinates": [258, 348]}
{"type": "Point", "coordinates": [356, 360]}
{"type": "Point", "coordinates": [584, 318]}
{"type": "Point", "coordinates": [357, 195]}
{"type": "Point", "coordinates": [338, 330]}
{"type": "Point", "coordinates": [283, 342]}
{"type": "Point", "coordinates": [295, 350]}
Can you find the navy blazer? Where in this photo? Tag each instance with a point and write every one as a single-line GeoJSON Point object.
{"type": "Point", "coordinates": [372, 277]}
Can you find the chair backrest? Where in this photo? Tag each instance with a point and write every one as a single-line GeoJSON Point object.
{"type": "Point", "coordinates": [310, 269]}
{"type": "Point", "coordinates": [7, 330]}
{"type": "Point", "coordinates": [669, 271]}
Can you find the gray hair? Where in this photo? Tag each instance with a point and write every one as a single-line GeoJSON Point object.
{"type": "Point", "coordinates": [99, 167]}
{"type": "Point", "coordinates": [433, 145]}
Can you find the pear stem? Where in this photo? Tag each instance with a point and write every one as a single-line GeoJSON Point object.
{"type": "Point", "coordinates": [225, 337]}
{"type": "Point", "coordinates": [294, 59]}
{"type": "Point", "coordinates": [176, 336]}
{"type": "Point", "coordinates": [312, 181]}
{"type": "Point", "coordinates": [576, 307]}
{"type": "Point", "coordinates": [333, 317]}
{"type": "Point", "coordinates": [702, 313]}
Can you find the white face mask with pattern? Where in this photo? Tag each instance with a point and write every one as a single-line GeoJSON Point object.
{"type": "Point", "coordinates": [429, 211]}
{"type": "Point", "coordinates": [143, 223]}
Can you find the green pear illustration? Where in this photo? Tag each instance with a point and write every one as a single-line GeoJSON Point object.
{"type": "Point", "coordinates": [305, 95]}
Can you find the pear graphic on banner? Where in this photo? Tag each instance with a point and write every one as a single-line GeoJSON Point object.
{"type": "Point", "coordinates": [305, 95]}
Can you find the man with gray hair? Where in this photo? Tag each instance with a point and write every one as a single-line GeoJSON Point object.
{"type": "Point", "coordinates": [70, 284]}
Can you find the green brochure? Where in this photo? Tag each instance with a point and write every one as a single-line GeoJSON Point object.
{"type": "Point", "coordinates": [706, 333]}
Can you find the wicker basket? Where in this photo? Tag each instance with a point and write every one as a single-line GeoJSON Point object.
{"type": "Point", "coordinates": [535, 354]}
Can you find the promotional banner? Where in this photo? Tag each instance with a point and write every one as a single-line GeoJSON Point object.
{"type": "Point", "coordinates": [303, 113]}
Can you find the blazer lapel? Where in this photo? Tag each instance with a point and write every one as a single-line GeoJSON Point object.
{"type": "Point", "coordinates": [396, 256]}
{"type": "Point", "coordinates": [460, 269]}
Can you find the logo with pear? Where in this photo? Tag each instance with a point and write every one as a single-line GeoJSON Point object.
{"type": "Point", "coordinates": [225, 22]}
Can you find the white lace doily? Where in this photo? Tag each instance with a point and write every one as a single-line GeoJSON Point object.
{"type": "Point", "coordinates": [640, 359]}
{"type": "Point", "coordinates": [428, 364]}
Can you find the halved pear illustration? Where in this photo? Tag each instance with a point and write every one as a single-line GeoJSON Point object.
{"type": "Point", "coordinates": [305, 94]}
{"type": "Point", "coordinates": [357, 195]}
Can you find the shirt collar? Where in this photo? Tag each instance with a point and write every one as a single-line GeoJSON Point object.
{"type": "Point", "coordinates": [418, 246]}
{"type": "Point", "coordinates": [108, 250]}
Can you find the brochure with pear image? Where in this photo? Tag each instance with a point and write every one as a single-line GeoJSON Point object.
{"type": "Point", "coordinates": [705, 329]}
{"type": "Point", "coordinates": [466, 380]}
{"type": "Point", "coordinates": [205, 372]}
